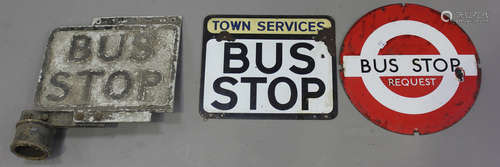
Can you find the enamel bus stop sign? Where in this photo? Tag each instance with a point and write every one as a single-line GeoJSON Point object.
{"type": "Point", "coordinates": [408, 71]}
{"type": "Point", "coordinates": [268, 67]}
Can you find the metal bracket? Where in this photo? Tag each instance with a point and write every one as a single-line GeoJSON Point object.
{"type": "Point", "coordinates": [117, 70]}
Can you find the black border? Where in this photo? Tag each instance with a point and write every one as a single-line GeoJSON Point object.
{"type": "Point", "coordinates": [332, 48]}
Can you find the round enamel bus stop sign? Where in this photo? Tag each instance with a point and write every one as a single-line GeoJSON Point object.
{"type": "Point", "coordinates": [409, 70]}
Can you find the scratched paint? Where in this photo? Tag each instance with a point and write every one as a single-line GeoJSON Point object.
{"type": "Point", "coordinates": [113, 66]}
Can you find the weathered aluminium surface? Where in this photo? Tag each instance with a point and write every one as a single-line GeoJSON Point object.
{"type": "Point", "coordinates": [117, 70]}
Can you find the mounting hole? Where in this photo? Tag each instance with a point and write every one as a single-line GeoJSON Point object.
{"type": "Point", "coordinates": [29, 151]}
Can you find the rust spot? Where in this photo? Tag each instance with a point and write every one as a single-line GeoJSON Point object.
{"type": "Point", "coordinates": [224, 35]}
{"type": "Point", "coordinates": [327, 35]}
{"type": "Point", "coordinates": [416, 132]}
{"type": "Point", "coordinates": [98, 116]}
{"type": "Point", "coordinates": [460, 74]}
{"type": "Point", "coordinates": [79, 116]}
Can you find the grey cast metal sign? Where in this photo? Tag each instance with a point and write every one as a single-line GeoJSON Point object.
{"type": "Point", "coordinates": [117, 70]}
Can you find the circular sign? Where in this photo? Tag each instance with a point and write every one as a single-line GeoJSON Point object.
{"type": "Point", "coordinates": [408, 70]}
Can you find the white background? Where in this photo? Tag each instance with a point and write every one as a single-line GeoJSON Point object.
{"type": "Point", "coordinates": [322, 70]}
{"type": "Point", "coordinates": [184, 139]}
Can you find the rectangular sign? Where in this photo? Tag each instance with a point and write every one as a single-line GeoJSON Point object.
{"type": "Point", "coordinates": [268, 67]}
{"type": "Point", "coordinates": [118, 66]}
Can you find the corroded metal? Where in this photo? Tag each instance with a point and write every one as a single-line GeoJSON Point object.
{"type": "Point", "coordinates": [34, 136]}
{"type": "Point", "coordinates": [117, 70]}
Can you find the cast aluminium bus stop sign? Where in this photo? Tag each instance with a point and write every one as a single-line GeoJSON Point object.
{"type": "Point", "coordinates": [117, 70]}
